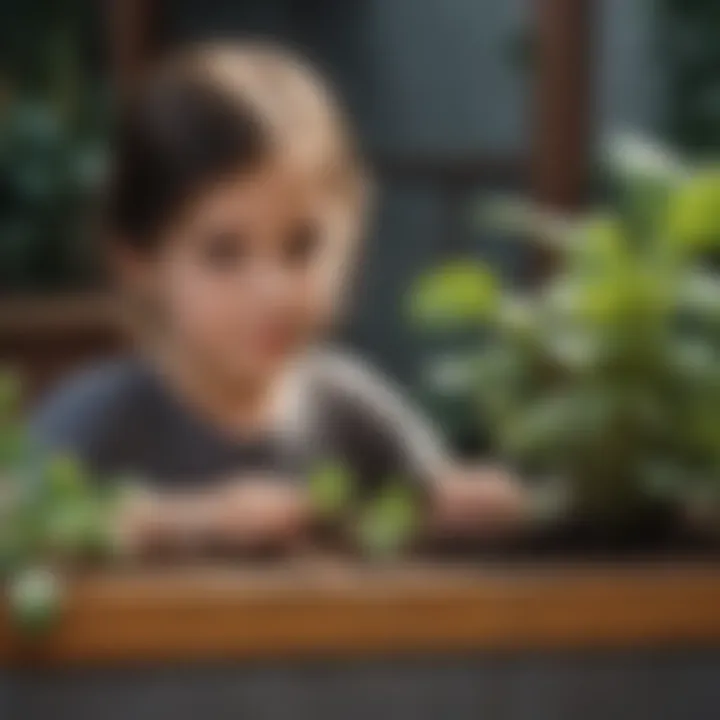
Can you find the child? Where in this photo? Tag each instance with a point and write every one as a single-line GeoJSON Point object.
{"type": "Point", "coordinates": [233, 217]}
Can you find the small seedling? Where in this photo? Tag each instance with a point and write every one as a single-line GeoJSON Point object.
{"type": "Point", "coordinates": [332, 489]}
{"type": "Point", "coordinates": [388, 523]}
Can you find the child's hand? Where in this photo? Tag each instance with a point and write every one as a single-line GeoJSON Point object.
{"type": "Point", "coordinates": [477, 502]}
{"type": "Point", "coordinates": [247, 514]}
{"type": "Point", "coordinates": [261, 512]}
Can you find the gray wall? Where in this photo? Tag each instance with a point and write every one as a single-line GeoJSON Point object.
{"type": "Point", "coordinates": [630, 74]}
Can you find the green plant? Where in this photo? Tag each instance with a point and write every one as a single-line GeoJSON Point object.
{"type": "Point", "coordinates": [607, 375]}
{"type": "Point", "coordinates": [389, 522]}
{"type": "Point", "coordinates": [52, 514]}
{"type": "Point", "coordinates": [381, 525]}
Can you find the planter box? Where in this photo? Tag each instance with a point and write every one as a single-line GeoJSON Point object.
{"type": "Point", "coordinates": [335, 641]}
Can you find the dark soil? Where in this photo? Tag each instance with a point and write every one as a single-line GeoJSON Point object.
{"type": "Point", "coordinates": [658, 533]}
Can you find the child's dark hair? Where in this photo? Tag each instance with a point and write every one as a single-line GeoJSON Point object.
{"type": "Point", "coordinates": [212, 112]}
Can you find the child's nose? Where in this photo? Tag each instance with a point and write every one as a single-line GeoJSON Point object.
{"type": "Point", "coordinates": [273, 283]}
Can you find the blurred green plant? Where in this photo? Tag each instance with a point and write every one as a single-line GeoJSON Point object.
{"type": "Point", "coordinates": [608, 374]}
{"type": "Point", "coordinates": [52, 515]}
{"type": "Point", "coordinates": [54, 117]}
{"type": "Point", "coordinates": [388, 523]}
{"type": "Point", "coordinates": [382, 525]}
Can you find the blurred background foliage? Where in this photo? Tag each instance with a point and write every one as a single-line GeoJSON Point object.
{"type": "Point", "coordinates": [690, 43]}
{"type": "Point", "coordinates": [53, 118]}
{"type": "Point", "coordinates": [605, 377]}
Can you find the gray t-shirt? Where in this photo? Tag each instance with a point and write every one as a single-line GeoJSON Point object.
{"type": "Point", "coordinates": [122, 418]}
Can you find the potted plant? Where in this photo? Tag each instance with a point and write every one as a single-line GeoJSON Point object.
{"type": "Point", "coordinates": [603, 381]}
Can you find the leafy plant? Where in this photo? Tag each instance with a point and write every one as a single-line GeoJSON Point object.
{"type": "Point", "coordinates": [331, 488]}
{"type": "Point", "coordinates": [607, 375]}
{"type": "Point", "coordinates": [389, 522]}
{"type": "Point", "coordinates": [52, 514]}
{"type": "Point", "coordinates": [381, 525]}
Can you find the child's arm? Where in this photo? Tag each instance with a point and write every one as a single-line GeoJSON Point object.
{"type": "Point", "coordinates": [268, 514]}
{"type": "Point", "coordinates": [376, 421]}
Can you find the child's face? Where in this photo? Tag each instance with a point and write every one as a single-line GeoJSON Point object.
{"type": "Point", "coordinates": [250, 273]}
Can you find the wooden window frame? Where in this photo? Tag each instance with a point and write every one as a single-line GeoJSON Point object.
{"type": "Point", "coordinates": [561, 100]}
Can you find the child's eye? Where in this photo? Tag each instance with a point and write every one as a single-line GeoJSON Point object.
{"type": "Point", "coordinates": [301, 243]}
{"type": "Point", "coordinates": [224, 250]}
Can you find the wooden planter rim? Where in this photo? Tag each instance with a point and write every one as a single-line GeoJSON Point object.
{"type": "Point", "coordinates": [347, 611]}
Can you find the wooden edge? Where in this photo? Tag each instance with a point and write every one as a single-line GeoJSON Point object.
{"type": "Point", "coordinates": [65, 314]}
{"type": "Point", "coordinates": [563, 93]}
{"type": "Point", "coordinates": [448, 169]}
{"type": "Point", "coordinates": [241, 615]}
{"type": "Point", "coordinates": [133, 39]}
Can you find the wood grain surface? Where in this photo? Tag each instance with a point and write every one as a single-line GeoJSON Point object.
{"type": "Point", "coordinates": [329, 609]}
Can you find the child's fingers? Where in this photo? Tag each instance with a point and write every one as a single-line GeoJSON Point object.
{"type": "Point", "coordinates": [478, 502]}
{"type": "Point", "coordinates": [256, 513]}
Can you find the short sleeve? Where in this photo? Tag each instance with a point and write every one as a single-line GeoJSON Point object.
{"type": "Point", "coordinates": [373, 421]}
{"type": "Point", "coordinates": [78, 417]}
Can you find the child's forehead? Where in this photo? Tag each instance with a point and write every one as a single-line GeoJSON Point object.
{"type": "Point", "coordinates": [277, 189]}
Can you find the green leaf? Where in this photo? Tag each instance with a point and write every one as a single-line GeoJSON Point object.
{"type": "Point", "coordinates": [66, 477]}
{"type": "Point", "coordinates": [505, 376]}
{"type": "Point", "coordinates": [694, 212]}
{"type": "Point", "coordinates": [70, 528]}
{"type": "Point", "coordinates": [12, 552]}
{"type": "Point", "coordinates": [13, 445]}
{"type": "Point", "coordinates": [10, 395]}
{"type": "Point", "coordinates": [601, 247]}
{"type": "Point", "coordinates": [389, 522]}
{"type": "Point", "coordinates": [637, 160]}
{"type": "Point", "coordinates": [35, 599]}
{"type": "Point", "coordinates": [560, 423]}
{"type": "Point", "coordinates": [451, 374]}
{"type": "Point", "coordinates": [699, 295]}
{"type": "Point", "coordinates": [519, 217]}
{"type": "Point", "coordinates": [460, 293]}
{"type": "Point", "coordinates": [331, 488]}
{"type": "Point", "coordinates": [645, 175]}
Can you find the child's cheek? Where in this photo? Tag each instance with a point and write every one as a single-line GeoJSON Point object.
{"type": "Point", "coordinates": [203, 310]}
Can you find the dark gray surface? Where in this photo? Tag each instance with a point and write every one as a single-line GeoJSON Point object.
{"type": "Point", "coordinates": [678, 685]}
